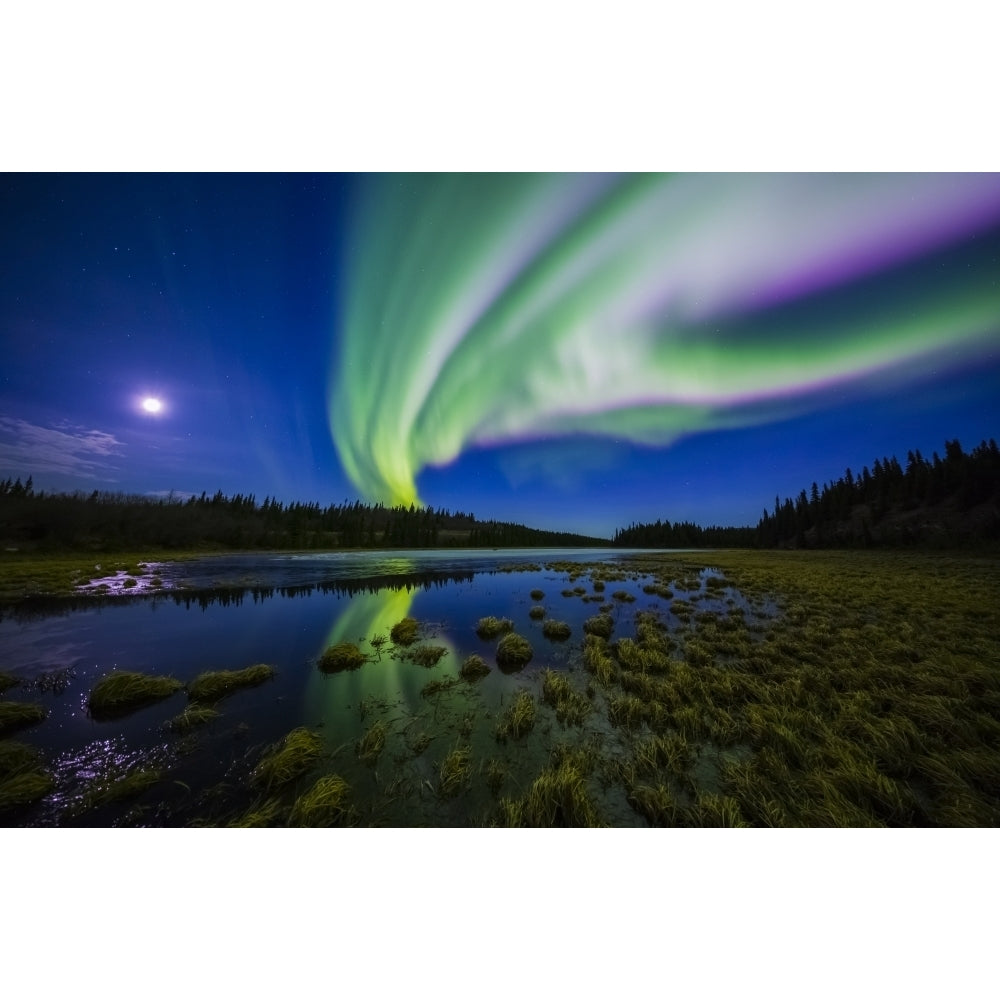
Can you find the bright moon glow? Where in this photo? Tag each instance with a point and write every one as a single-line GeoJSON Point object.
{"type": "Point", "coordinates": [483, 311]}
{"type": "Point", "coordinates": [152, 405]}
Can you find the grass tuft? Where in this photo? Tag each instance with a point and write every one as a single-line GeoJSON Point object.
{"type": "Point", "coordinates": [24, 788]}
{"type": "Point", "coordinates": [600, 625]}
{"type": "Point", "coordinates": [192, 716]}
{"type": "Point", "coordinates": [122, 692]}
{"type": "Point", "coordinates": [18, 714]}
{"type": "Point", "coordinates": [513, 652]}
{"type": "Point", "coordinates": [537, 595]}
{"type": "Point", "coordinates": [490, 627]}
{"type": "Point", "coordinates": [474, 667]}
{"type": "Point", "coordinates": [372, 742]}
{"type": "Point", "coordinates": [455, 770]}
{"type": "Point", "coordinates": [556, 630]}
{"type": "Point", "coordinates": [7, 681]}
{"type": "Point", "coordinates": [537, 612]}
{"type": "Point", "coordinates": [216, 684]}
{"type": "Point", "coordinates": [404, 632]}
{"type": "Point", "coordinates": [427, 656]}
{"type": "Point", "coordinates": [341, 656]}
{"type": "Point", "coordinates": [518, 718]}
{"type": "Point", "coordinates": [323, 804]}
{"type": "Point", "coordinates": [287, 760]}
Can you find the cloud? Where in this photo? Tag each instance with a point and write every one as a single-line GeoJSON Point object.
{"type": "Point", "coordinates": [66, 449]}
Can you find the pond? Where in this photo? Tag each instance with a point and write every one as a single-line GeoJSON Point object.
{"type": "Point", "coordinates": [412, 745]}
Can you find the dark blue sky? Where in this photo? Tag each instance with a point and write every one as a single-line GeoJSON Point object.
{"type": "Point", "coordinates": [224, 296]}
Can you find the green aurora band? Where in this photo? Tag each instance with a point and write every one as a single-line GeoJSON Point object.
{"type": "Point", "coordinates": [482, 310]}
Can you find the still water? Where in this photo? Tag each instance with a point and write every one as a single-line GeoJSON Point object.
{"type": "Point", "coordinates": [228, 612]}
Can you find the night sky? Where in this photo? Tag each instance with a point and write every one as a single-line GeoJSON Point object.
{"type": "Point", "coordinates": [570, 352]}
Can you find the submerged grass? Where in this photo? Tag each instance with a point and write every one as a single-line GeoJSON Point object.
{"type": "Point", "coordinates": [341, 656]}
{"type": "Point", "coordinates": [455, 771]}
{"type": "Point", "coordinates": [571, 706]}
{"type": "Point", "coordinates": [323, 805]}
{"type": "Point", "coordinates": [191, 717]}
{"type": "Point", "coordinates": [287, 760]}
{"type": "Point", "coordinates": [216, 684]}
{"type": "Point", "coordinates": [24, 788]}
{"type": "Point", "coordinates": [122, 692]}
{"type": "Point", "coordinates": [372, 742]}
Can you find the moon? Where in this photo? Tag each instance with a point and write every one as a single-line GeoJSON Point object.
{"type": "Point", "coordinates": [152, 405]}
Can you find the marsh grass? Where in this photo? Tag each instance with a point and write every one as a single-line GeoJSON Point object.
{"type": "Point", "coordinates": [513, 652]}
{"type": "Point", "coordinates": [24, 788]}
{"type": "Point", "coordinates": [600, 625]}
{"type": "Point", "coordinates": [437, 686]}
{"type": "Point", "coordinates": [122, 692]}
{"type": "Point", "coordinates": [518, 718]}
{"type": "Point", "coordinates": [556, 630]}
{"type": "Point", "coordinates": [261, 814]}
{"type": "Point", "coordinates": [490, 627]}
{"type": "Point", "coordinates": [372, 742]}
{"type": "Point", "coordinates": [455, 771]}
{"type": "Point", "coordinates": [192, 717]}
{"type": "Point", "coordinates": [214, 685]}
{"type": "Point", "coordinates": [537, 612]}
{"type": "Point", "coordinates": [16, 715]}
{"type": "Point", "coordinates": [572, 708]}
{"type": "Point", "coordinates": [656, 803]}
{"type": "Point", "coordinates": [287, 760]}
{"type": "Point", "coordinates": [118, 787]}
{"type": "Point", "coordinates": [426, 655]}
{"type": "Point", "coordinates": [473, 668]}
{"type": "Point", "coordinates": [324, 804]}
{"type": "Point", "coordinates": [7, 681]}
{"type": "Point", "coordinates": [624, 596]}
{"type": "Point", "coordinates": [341, 656]}
{"type": "Point", "coordinates": [537, 595]}
{"type": "Point", "coordinates": [404, 632]}
{"type": "Point", "coordinates": [597, 661]}
{"type": "Point", "coordinates": [558, 797]}
{"type": "Point", "coordinates": [496, 773]}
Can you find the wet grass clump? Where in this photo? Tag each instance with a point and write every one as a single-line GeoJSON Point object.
{"type": "Point", "coordinates": [372, 742]}
{"type": "Point", "coordinates": [437, 686]}
{"type": "Point", "coordinates": [122, 692]}
{"type": "Point", "coordinates": [24, 788]}
{"type": "Point", "coordinates": [341, 656]}
{"type": "Point", "coordinates": [602, 625]}
{"type": "Point", "coordinates": [490, 627]}
{"type": "Point", "coordinates": [537, 595]}
{"type": "Point", "coordinates": [216, 684]}
{"type": "Point", "coordinates": [518, 718]}
{"type": "Point", "coordinates": [513, 652]}
{"type": "Point", "coordinates": [556, 630]}
{"type": "Point", "coordinates": [496, 774]}
{"type": "Point", "coordinates": [558, 797]}
{"type": "Point", "coordinates": [623, 595]}
{"type": "Point", "coordinates": [537, 612]}
{"type": "Point", "coordinates": [427, 656]}
{"type": "Point", "coordinates": [571, 706]}
{"type": "Point", "coordinates": [119, 787]}
{"type": "Point", "coordinates": [192, 717]}
{"type": "Point", "coordinates": [455, 771]}
{"type": "Point", "coordinates": [323, 805]}
{"type": "Point", "coordinates": [404, 632]}
{"type": "Point", "coordinates": [7, 681]}
{"type": "Point", "coordinates": [287, 760]}
{"type": "Point", "coordinates": [16, 715]}
{"type": "Point", "coordinates": [474, 667]}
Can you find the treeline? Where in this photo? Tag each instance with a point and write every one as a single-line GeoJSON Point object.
{"type": "Point", "coordinates": [102, 521]}
{"type": "Point", "coordinates": [936, 502]}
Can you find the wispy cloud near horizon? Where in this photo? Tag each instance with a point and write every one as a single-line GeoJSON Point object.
{"type": "Point", "coordinates": [66, 449]}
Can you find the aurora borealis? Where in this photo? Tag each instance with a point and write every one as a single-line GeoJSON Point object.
{"type": "Point", "coordinates": [481, 310]}
{"type": "Point", "coordinates": [571, 352]}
